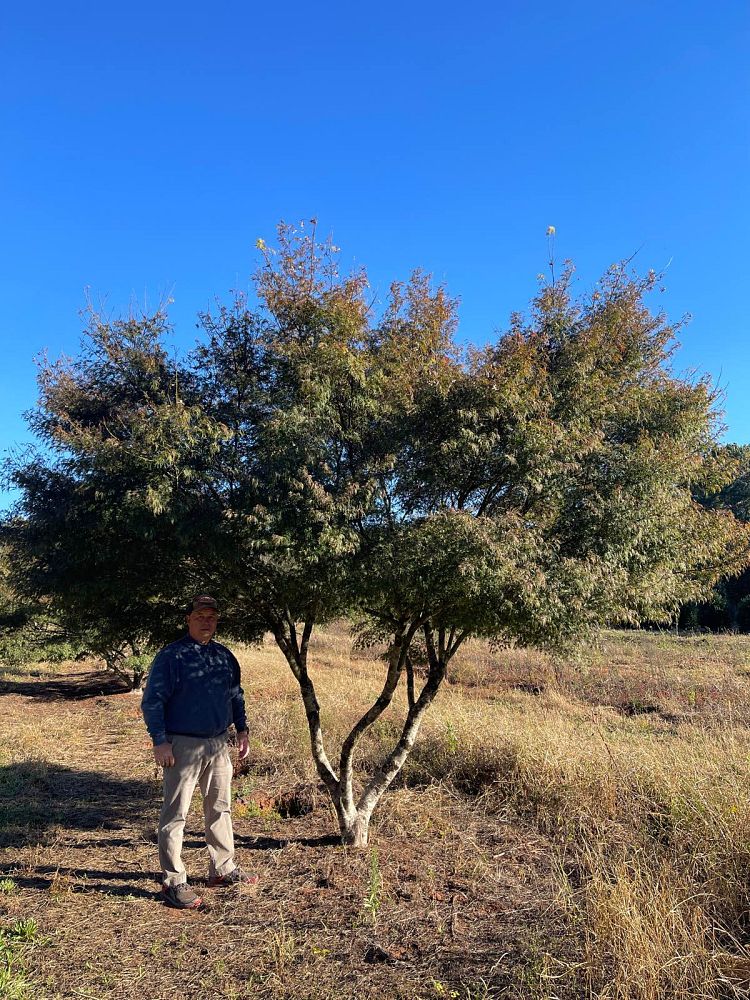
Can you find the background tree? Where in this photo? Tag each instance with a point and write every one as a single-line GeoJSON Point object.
{"type": "Point", "coordinates": [728, 606]}
{"type": "Point", "coordinates": [104, 538]}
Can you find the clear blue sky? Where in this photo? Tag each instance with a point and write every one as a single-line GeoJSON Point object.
{"type": "Point", "coordinates": [145, 147]}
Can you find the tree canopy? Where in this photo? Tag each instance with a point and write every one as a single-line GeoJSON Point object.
{"type": "Point", "coordinates": [312, 459]}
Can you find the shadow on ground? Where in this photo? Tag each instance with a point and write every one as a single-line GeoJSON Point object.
{"type": "Point", "coordinates": [276, 843]}
{"type": "Point", "coordinates": [85, 880]}
{"type": "Point", "coordinates": [36, 795]}
{"type": "Point", "coordinates": [72, 687]}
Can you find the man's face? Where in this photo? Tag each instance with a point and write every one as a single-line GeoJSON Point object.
{"type": "Point", "coordinates": [202, 624]}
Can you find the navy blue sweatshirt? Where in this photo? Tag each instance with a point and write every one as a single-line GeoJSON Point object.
{"type": "Point", "coordinates": [193, 690]}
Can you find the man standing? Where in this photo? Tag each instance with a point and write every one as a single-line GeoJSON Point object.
{"type": "Point", "coordinates": [192, 697]}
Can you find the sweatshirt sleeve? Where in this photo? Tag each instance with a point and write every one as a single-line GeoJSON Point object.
{"type": "Point", "coordinates": [237, 697]}
{"type": "Point", "coordinates": [159, 689]}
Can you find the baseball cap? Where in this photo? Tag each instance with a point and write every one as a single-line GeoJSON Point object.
{"type": "Point", "coordinates": [202, 601]}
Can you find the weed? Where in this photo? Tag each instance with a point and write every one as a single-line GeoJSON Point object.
{"type": "Point", "coordinates": [7, 886]}
{"type": "Point", "coordinates": [442, 990]}
{"type": "Point", "coordinates": [13, 983]}
{"type": "Point", "coordinates": [451, 738]}
{"type": "Point", "coordinates": [60, 885]}
{"type": "Point", "coordinates": [250, 809]}
{"type": "Point", "coordinates": [22, 930]}
{"type": "Point", "coordinates": [14, 941]}
{"type": "Point", "coordinates": [374, 895]}
{"type": "Point", "coordinates": [283, 948]}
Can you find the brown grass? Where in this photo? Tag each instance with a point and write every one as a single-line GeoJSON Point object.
{"type": "Point", "coordinates": [562, 830]}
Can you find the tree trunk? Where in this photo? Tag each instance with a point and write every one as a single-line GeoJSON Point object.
{"type": "Point", "coordinates": [114, 662]}
{"type": "Point", "coordinates": [354, 823]}
{"type": "Point", "coordinates": [355, 832]}
{"type": "Point", "coordinates": [354, 817]}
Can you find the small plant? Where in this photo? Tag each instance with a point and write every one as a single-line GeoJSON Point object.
{"type": "Point", "coordinates": [13, 982]}
{"type": "Point", "coordinates": [250, 809]}
{"type": "Point", "coordinates": [249, 803]}
{"type": "Point", "coordinates": [23, 930]}
{"type": "Point", "coordinates": [374, 896]}
{"type": "Point", "coordinates": [60, 886]}
{"type": "Point", "coordinates": [7, 886]}
{"type": "Point", "coordinates": [442, 990]}
{"type": "Point", "coordinates": [451, 738]}
{"type": "Point", "coordinates": [283, 947]}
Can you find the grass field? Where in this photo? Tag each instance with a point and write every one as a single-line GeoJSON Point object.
{"type": "Point", "coordinates": [562, 830]}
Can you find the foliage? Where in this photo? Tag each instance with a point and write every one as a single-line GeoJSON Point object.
{"type": "Point", "coordinates": [735, 494]}
{"type": "Point", "coordinates": [728, 606]}
{"type": "Point", "coordinates": [102, 527]}
{"type": "Point", "coordinates": [27, 634]}
{"type": "Point", "coordinates": [553, 476]}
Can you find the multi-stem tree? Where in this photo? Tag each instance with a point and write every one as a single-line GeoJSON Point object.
{"type": "Point", "coordinates": [310, 461]}
{"type": "Point", "coordinates": [527, 493]}
{"type": "Point", "coordinates": [538, 491]}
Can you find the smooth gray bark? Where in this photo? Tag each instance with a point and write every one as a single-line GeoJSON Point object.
{"type": "Point", "coordinates": [354, 816]}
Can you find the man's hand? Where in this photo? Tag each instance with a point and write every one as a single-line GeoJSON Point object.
{"type": "Point", "coordinates": [163, 755]}
{"type": "Point", "coordinates": [243, 746]}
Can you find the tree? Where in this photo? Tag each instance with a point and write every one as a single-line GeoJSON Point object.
{"type": "Point", "coordinates": [728, 606]}
{"type": "Point", "coordinates": [735, 495]}
{"type": "Point", "coordinates": [104, 527]}
{"type": "Point", "coordinates": [537, 491]}
{"type": "Point", "coordinates": [310, 461]}
{"type": "Point", "coordinates": [527, 493]}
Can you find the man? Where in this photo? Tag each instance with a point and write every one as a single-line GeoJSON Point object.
{"type": "Point", "coordinates": [192, 697]}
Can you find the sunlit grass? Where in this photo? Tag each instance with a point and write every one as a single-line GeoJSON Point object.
{"type": "Point", "coordinates": [633, 759]}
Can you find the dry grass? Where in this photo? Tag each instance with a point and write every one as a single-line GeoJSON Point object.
{"type": "Point", "coordinates": [562, 830]}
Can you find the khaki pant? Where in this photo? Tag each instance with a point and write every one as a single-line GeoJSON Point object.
{"type": "Point", "coordinates": [203, 762]}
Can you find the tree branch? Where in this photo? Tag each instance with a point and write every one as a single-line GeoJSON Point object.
{"type": "Point", "coordinates": [395, 760]}
{"type": "Point", "coordinates": [453, 645]}
{"type": "Point", "coordinates": [410, 681]}
{"type": "Point", "coordinates": [397, 658]}
{"type": "Point", "coordinates": [312, 709]}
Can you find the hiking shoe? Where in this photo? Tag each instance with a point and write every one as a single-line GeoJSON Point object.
{"type": "Point", "coordinates": [235, 877]}
{"type": "Point", "coordinates": [181, 897]}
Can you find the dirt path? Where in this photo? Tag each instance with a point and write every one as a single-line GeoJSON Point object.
{"type": "Point", "coordinates": [448, 902]}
